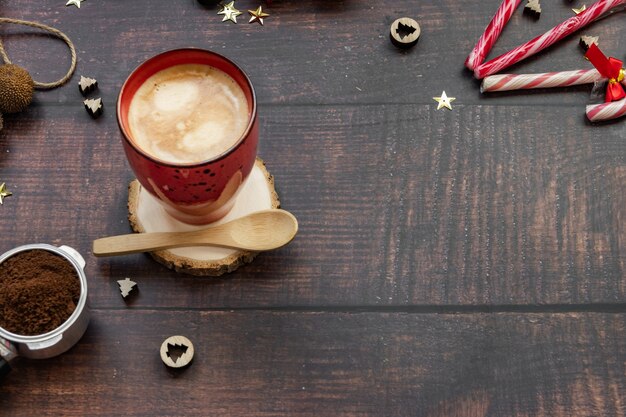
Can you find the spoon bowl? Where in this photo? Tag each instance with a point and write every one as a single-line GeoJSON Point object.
{"type": "Point", "coordinates": [260, 231]}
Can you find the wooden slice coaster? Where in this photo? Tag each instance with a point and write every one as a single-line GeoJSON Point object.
{"type": "Point", "coordinates": [146, 214]}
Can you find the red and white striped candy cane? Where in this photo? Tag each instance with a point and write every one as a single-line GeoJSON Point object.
{"type": "Point", "coordinates": [492, 33]}
{"type": "Point", "coordinates": [606, 111]}
{"type": "Point", "coordinates": [571, 25]}
{"type": "Point", "coordinates": [508, 82]}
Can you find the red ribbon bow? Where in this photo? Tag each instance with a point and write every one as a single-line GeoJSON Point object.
{"type": "Point", "coordinates": [610, 68]}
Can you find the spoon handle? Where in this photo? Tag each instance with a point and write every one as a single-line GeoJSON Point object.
{"type": "Point", "coordinates": [148, 242]}
{"type": "Point", "coordinates": [256, 232]}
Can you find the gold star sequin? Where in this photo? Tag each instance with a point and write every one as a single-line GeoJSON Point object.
{"type": "Point", "coordinates": [579, 11]}
{"type": "Point", "coordinates": [444, 101]}
{"type": "Point", "coordinates": [229, 12]}
{"type": "Point", "coordinates": [74, 2]}
{"type": "Point", "coordinates": [4, 192]}
{"type": "Point", "coordinates": [257, 15]}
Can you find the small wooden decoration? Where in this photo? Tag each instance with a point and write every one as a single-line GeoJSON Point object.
{"type": "Point", "coordinates": [126, 286]}
{"type": "Point", "coordinates": [586, 41]}
{"type": "Point", "coordinates": [177, 351]}
{"type": "Point", "coordinates": [146, 214]}
{"type": "Point", "coordinates": [87, 85]}
{"type": "Point", "coordinates": [533, 9]}
{"type": "Point", "coordinates": [73, 3]}
{"type": "Point", "coordinates": [93, 107]}
{"type": "Point", "coordinates": [404, 32]}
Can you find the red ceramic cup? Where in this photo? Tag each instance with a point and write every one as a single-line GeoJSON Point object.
{"type": "Point", "coordinates": [195, 193]}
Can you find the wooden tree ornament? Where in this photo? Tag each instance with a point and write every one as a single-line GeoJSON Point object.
{"type": "Point", "coordinates": [404, 32]}
{"type": "Point", "coordinates": [533, 9]}
{"type": "Point", "coordinates": [177, 351]}
{"type": "Point", "coordinates": [127, 286]}
{"type": "Point", "coordinates": [94, 107]}
{"type": "Point", "coordinates": [586, 41]}
{"type": "Point", "coordinates": [87, 85]}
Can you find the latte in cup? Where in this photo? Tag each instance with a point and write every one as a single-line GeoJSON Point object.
{"type": "Point", "coordinates": [188, 113]}
{"type": "Point", "coordinates": [190, 131]}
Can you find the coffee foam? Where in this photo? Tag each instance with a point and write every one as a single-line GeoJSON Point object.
{"type": "Point", "coordinates": [188, 113]}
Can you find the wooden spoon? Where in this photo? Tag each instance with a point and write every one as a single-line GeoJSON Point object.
{"type": "Point", "coordinates": [260, 231]}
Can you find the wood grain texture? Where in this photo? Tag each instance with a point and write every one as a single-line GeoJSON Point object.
{"type": "Point", "coordinates": [449, 263]}
{"type": "Point", "coordinates": [310, 51]}
{"type": "Point", "coordinates": [398, 205]}
{"type": "Point", "coordinates": [318, 364]}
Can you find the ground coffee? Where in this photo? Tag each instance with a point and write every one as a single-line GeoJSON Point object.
{"type": "Point", "coordinates": [39, 291]}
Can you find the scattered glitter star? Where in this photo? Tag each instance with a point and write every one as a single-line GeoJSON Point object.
{"type": "Point", "coordinates": [257, 15]}
{"type": "Point", "coordinates": [229, 12]}
{"type": "Point", "coordinates": [444, 101]}
{"type": "Point", "coordinates": [4, 192]}
{"type": "Point", "coordinates": [74, 2]}
{"type": "Point", "coordinates": [579, 11]}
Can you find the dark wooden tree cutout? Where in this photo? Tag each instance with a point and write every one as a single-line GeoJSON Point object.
{"type": "Point", "coordinates": [87, 85]}
{"type": "Point", "coordinates": [404, 32]}
{"type": "Point", "coordinates": [586, 41]}
{"type": "Point", "coordinates": [533, 9]}
{"type": "Point", "coordinates": [177, 351]}
{"type": "Point", "coordinates": [126, 286]}
{"type": "Point", "coordinates": [93, 107]}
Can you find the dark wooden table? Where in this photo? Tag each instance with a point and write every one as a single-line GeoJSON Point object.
{"type": "Point", "coordinates": [449, 263]}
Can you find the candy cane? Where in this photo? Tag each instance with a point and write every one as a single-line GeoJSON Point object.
{"type": "Point", "coordinates": [606, 111]}
{"type": "Point", "coordinates": [508, 82]}
{"type": "Point", "coordinates": [571, 25]}
{"type": "Point", "coordinates": [492, 33]}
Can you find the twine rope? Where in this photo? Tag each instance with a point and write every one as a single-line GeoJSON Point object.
{"type": "Point", "coordinates": [55, 32]}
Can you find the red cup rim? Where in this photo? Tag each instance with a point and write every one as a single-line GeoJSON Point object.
{"type": "Point", "coordinates": [224, 154]}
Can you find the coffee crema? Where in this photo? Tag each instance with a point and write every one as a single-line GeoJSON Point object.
{"type": "Point", "coordinates": [188, 113]}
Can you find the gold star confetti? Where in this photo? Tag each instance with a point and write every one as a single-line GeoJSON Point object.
{"type": "Point", "coordinates": [257, 15]}
{"type": "Point", "coordinates": [579, 11]}
{"type": "Point", "coordinates": [74, 2]}
{"type": "Point", "coordinates": [229, 12]}
{"type": "Point", "coordinates": [444, 101]}
{"type": "Point", "coordinates": [4, 192]}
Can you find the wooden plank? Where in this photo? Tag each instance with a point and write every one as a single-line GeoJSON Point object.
{"type": "Point", "coordinates": [505, 217]}
{"type": "Point", "coordinates": [258, 363]}
{"type": "Point", "coordinates": [308, 52]}
{"type": "Point", "coordinates": [398, 205]}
